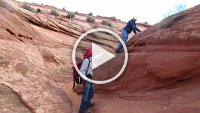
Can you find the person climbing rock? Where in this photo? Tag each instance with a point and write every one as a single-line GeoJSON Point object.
{"type": "Point", "coordinates": [88, 91]}
{"type": "Point", "coordinates": [130, 26]}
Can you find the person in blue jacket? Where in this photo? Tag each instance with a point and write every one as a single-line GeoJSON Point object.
{"type": "Point", "coordinates": [130, 26]}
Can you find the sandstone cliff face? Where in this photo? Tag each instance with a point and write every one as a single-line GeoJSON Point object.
{"type": "Point", "coordinates": [26, 83]}
{"type": "Point", "coordinates": [163, 67]}
{"type": "Point", "coordinates": [165, 54]}
{"type": "Point", "coordinates": [171, 54]}
{"type": "Point", "coordinates": [35, 59]}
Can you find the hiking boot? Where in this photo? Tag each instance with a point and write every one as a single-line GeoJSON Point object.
{"type": "Point", "coordinates": [118, 52]}
{"type": "Point", "coordinates": [90, 105]}
{"type": "Point", "coordinates": [83, 112]}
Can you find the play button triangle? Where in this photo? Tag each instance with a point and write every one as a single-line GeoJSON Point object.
{"type": "Point", "coordinates": [100, 56]}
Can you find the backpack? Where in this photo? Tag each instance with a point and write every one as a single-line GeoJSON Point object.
{"type": "Point", "coordinates": [77, 79]}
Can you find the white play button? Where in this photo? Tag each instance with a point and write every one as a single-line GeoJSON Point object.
{"type": "Point", "coordinates": [100, 56]}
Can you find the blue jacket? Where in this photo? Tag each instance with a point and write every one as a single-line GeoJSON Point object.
{"type": "Point", "coordinates": [131, 26]}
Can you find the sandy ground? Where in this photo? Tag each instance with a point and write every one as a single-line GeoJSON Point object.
{"type": "Point", "coordinates": [161, 101]}
{"type": "Point", "coordinates": [120, 103]}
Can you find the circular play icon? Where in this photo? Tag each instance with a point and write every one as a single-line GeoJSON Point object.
{"type": "Point", "coordinates": [100, 56]}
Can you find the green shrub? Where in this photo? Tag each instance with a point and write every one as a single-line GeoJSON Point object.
{"type": "Point", "coordinates": [54, 12]}
{"type": "Point", "coordinates": [90, 19]}
{"type": "Point", "coordinates": [171, 20]}
{"type": "Point", "coordinates": [27, 7]}
{"type": "Point", "coordinates": [38, 10]}
{"type": "Point", "coordinates": [144, 22]}
{"type": "Point", "coordinates": [70, 15]}
{"type": "Point", "coordinates": [5, 5]}
{"type": "Point", "coordinates": [107, 23]}
{"type": "Point", "coordinates": [90, 14]}
{"type": "Point", "coordinates": [76, 12]}
{"type": "Point", "coordinates": [175, 10]}
{"type": "Point", "coordinates": [114, 18]}
{"type": "Point", "coordinates": [35, 3]}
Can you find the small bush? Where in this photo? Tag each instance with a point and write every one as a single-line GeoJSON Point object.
{"type": "Point", "coordinates": [5, 5]}
{"type": "Point", "coordinates": [35, 3]}
{"type": "Point", "coordinates": [38, 10]}
{"type": "Point", "coordinates": [175, 10]}
{"type": "Point", "coordinates": [90, 14]}
{"type": "Point", "coordinates": [114, 18]}
{"type": "Point", "coordinates": [54, 12]}
{"type": "Point", "coordinates": [90, 19]}
{"type": "Point", "coordinates": [76, 12]}
{"type": "Point", "coordinates": [144, 22]}
{"type": "Point", "coordinates": [171, 20]}
{"type": "Point", "coordinates": [27, 7]}
{"type": "Point", "coordinates": [107, 23]}
{"type": "Point", "coordinates": [70, 15]}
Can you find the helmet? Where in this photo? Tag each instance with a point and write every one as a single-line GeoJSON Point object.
{"type": "Point", "coordinates": [135, 17]}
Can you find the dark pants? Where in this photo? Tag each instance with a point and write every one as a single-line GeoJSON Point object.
{"type": "Point", "coordinates": [88, 93]}
{"type": "Point", "coordinates": [124, 36]}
